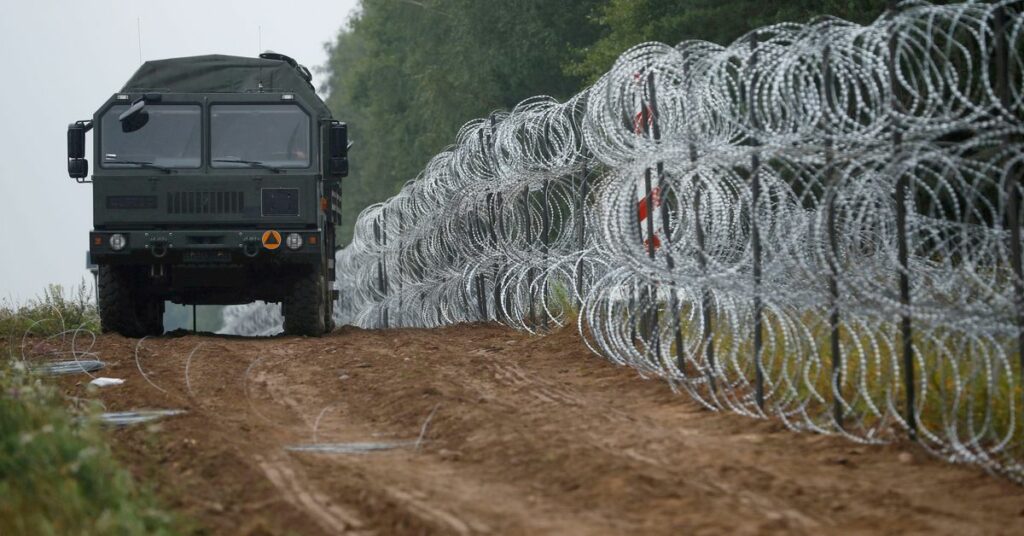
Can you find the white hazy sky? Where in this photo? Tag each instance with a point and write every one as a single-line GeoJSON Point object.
{"type": "Point", "coordinates": [61, 59]}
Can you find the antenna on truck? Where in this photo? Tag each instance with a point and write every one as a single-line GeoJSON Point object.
{"type": "Point", "coordinates": [138, 29]}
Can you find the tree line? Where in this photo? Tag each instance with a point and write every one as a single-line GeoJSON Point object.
{"type": "Point", "coordinates": [406, 74]}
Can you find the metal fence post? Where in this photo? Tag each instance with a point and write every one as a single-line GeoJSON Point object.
{"type": "Point", "coordinates": [702, 263]}
{"type": "Point", "coordinates": [708, 342]}
{"type": "Point", "coordinates": [903, 247]}
{"type": "Point", "coordinates": [400, 266]}
{"type": "Point", "coordinates": [497, 230]}
{"type": "Point", "coordinates": [528, 223]}
{"type": "Point", "coordinates": [831, 184]}
{"type": "Point", "coordinates": [581, 233]}
{"type": "Point", "coordinates": [666, 232]}
{"type": "Point", "coordinates": [544, 240]}
{"type": "Point", "coordinates": [632, 289]}
{"type": "Point", "coordinates": [755, 237]}
{"type": "Point", "coordinates": [650, 129]}
{"type": "Point", "coordinates": [382, 283]}
{"type": "Point", "coordinates": [481, 279]}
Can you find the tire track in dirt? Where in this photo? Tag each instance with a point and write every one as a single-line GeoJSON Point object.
{"type": "Point", "coordinates": [332, 518]}
{"type": "Point", "coordinates": [529, 436]}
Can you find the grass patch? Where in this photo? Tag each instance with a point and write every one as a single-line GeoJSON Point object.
{"type": "Point", "coordinates": [561, 303]}
{"type": "Point", "coordinates": [56, 310]}
{"type": "Point", "coordinates": [57, 472]}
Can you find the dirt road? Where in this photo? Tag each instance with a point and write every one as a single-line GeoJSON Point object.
{"type": "Point", "coordinates": [517, 435]}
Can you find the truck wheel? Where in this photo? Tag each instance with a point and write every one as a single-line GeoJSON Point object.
{"type": "Point", "coordinates": [122, 309]}
{"type": "Point", "coordinates": [304, 306]}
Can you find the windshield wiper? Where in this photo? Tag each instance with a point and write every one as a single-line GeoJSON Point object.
{"type": "Point", "coordinates": [140, 163]}
{"type": "Point", "coordinates": [250, 163]}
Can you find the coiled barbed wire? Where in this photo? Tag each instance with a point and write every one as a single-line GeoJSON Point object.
{"type": "Point", "coordinates": [819, 223]}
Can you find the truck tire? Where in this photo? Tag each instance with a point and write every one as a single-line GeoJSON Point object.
{"type": "Point", "coordinates": [122, 309]}
{"type": "Point", "coordinates": [304, 306]}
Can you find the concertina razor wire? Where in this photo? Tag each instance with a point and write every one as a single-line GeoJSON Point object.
{"type": "Point", "coordinates": [819, 223]}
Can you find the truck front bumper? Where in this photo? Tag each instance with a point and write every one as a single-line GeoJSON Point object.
{"type": "Point", "coordinates": [183, 246]}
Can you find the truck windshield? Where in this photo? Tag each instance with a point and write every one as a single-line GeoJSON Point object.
{"type": "Point", "coordinates": [170, 138]}
{"type": "Point", "coordinates": [266, 135]}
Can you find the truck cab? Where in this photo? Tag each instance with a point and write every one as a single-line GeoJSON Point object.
{"type": "Point", "coordinates": [217, 180]}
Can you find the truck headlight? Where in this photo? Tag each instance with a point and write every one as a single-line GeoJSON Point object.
{"type": "Point", "coordinates": [118, 241]}
{"type": "Point", "coordinates": [293, 241]}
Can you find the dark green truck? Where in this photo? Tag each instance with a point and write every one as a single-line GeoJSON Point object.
{"type": "Point", "coordinates": [216, 181]}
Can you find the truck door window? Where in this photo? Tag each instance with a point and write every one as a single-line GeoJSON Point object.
{"type": "Point", "coordinates": [171, 138]}
{"type": "Point", "coordinates": [274, 135]}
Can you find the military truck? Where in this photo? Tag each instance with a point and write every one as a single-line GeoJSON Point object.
{"type": "Point", "coordinates": [217, 181]}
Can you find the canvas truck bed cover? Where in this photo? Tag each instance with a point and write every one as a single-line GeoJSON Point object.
{"type": "Point", "coordinates": [222, 74]}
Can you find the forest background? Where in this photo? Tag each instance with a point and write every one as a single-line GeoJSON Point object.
{"type": "Point", "coordinates": [406, 74]}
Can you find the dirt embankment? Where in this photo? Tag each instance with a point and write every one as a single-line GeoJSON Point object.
{"type": "Point", "coordinates": [523, 435]}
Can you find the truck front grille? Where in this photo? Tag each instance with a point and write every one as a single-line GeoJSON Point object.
{"type": "Point", "coordinates": [205, 202]}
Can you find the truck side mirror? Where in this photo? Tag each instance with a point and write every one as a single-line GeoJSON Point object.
{"type": "Point", "coordinates": [78, 166]}
{"type": "Point", "coordinates": [337, 150]}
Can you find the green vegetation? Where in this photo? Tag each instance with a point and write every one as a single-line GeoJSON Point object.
{"type": "Point", "coordinates": [54, 311]}
{"type": "Point", "coordinates": [406, 74]}
{"type": "Point", "coordinates": [628, 22]}
{"type": "Point", "coordinates": [57, 472]}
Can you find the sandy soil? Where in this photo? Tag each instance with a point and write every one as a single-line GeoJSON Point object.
{"type": "Point", "coordinates": [522, 435]}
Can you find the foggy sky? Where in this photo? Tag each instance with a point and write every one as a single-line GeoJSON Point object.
{"type": "Point", "coordinates": [63, 58]}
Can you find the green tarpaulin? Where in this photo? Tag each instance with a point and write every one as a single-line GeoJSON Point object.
{"type": "Point", "coordinates": [221, 74]}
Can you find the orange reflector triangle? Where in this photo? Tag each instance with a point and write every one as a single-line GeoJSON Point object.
{"type": "Point", "coordinates": [271, 239]}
